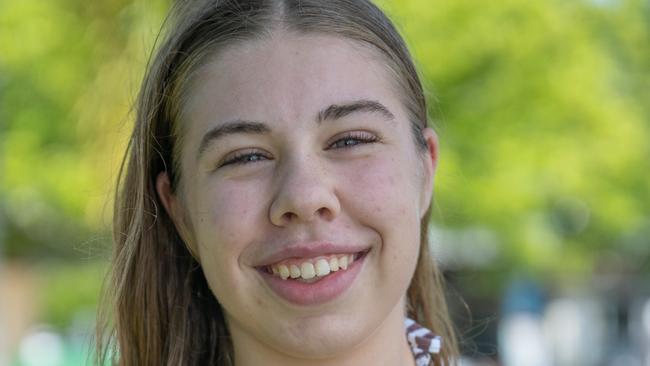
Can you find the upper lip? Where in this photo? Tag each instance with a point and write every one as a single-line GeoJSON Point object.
{"type": "Point", "coordinates": [309, 250]}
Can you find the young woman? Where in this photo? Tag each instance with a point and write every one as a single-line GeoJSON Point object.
{"type": "Point", "coordinates": [275, 196]}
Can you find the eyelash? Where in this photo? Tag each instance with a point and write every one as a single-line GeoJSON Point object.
{"type": "Point", "coordinates": [243, 158]}
{"type": "Point", "coordinates": [357, 138]}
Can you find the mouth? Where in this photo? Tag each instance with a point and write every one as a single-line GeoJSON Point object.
{"type": "Point", "coordinates": [310, 281]}
{"type": "Point", "coordinates": [310, 270]}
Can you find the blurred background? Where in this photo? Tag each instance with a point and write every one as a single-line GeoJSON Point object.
{"type": "Point", "coordinates": [542, 203]}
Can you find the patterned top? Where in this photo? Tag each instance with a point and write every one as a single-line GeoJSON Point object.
{"type": "Point", "coordinates": [422, 341]}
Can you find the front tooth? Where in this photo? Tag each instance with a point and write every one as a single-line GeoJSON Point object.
{"type": "Point", "coordinates": [343, 262]}
{"type": "Point", "coordinates": [322, 267]}
{"type": "Point", "coordinates": [294, 271]}
{"type": "Point", "coordinates": [334, 264]}
{"type": "Point", "coordinates": [284, 271]}
{"type": "Point", "coordinates": [307, 271]}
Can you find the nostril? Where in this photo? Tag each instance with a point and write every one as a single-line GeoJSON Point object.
{"type": "Point", "coordinates": [288, 217]}
{"type": "Point", "coordinates": [326, 213]}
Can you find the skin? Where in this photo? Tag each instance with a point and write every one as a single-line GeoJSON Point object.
{"type": "Point", "coordinates": [301, 183]}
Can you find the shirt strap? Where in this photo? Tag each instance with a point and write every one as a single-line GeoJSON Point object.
{"type": "Point", "coordinates": [423, 342]}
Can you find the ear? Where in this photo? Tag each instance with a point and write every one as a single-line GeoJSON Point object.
{"type": "Point", "coordinates": [174, 210]}
{"type": "Point", "coordinates": [430, 163]}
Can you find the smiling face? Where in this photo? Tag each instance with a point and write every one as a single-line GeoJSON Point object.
{"type": "Point", "coordinates": [297, 152]}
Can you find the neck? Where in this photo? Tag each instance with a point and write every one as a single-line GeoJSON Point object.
{"type": "Point", "coordinates": [387, 346]}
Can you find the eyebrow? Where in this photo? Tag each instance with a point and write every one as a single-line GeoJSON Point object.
{"type": "Point", "coordinates": [336, 111]}
{"type": "Point", "coordinates": [333, 112]}
{"type": "Point", "coordinates": [230, 128]}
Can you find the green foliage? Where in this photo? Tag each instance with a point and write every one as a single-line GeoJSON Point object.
{"type": "Point", "coordinates": [68, 74]}
{"type": "Point", "coordinates": [69, 291]}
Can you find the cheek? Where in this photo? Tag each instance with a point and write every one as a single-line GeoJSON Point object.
{"type": "Point", "coordinates": [227, 213]}
{"type": "Point", "coordinates": [384, 196]}
{"type": "Point", "coordinates": [222, 223]}
{"type": "Point", "coordinates": [381, 188]}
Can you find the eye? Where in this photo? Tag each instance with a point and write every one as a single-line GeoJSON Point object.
{"type": "Point", "coordinates": [243, 158]}
{"type": "Point", "coordinates": [352, 139]}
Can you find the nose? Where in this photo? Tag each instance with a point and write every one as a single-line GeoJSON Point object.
{"type": "Point", "coordinates": [305, 192]}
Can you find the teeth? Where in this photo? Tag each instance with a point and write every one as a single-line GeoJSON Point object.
{"type": "Point", "coordinates": [307, 271]}
{"type": "Point", "coordinates": [343, 262]}
{"type": "Point", "coordinates": [322, 267]}
{"type": "Point", "coordinates": [284, 271]}
{"type": "Point", "coordinates": [334, 264]}
{"type": "Point", "coordinates": [294, 271]}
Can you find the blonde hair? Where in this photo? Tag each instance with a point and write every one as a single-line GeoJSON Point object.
{"type": "Point", "coordinates": [162, 310]}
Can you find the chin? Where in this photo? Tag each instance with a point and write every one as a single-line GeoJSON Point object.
{"type": "Point", "coordinates": [323, 338]}
{"type": "Point", "coordinates": [324, 346]}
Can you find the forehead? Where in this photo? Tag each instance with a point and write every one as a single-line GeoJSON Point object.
{"type": "Point", "coordinates": [285, 77]}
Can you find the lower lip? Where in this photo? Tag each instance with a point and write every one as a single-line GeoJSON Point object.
{"type": "Point", "coordinates": [326, 289]}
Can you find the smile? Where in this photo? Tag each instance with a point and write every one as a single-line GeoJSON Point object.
{"type": "Point", "coordinates": [316, 280]}
{"type": "Point", "coordinates": [312, 269]}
